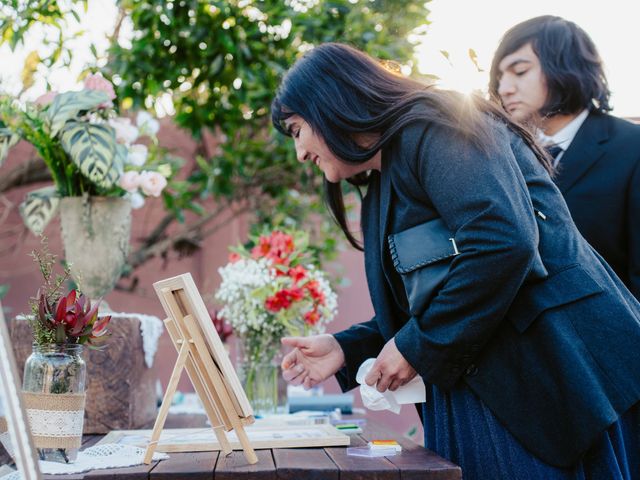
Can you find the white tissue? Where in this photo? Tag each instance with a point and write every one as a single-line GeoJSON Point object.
{"type": "Point", "coordinates": [412, 392]}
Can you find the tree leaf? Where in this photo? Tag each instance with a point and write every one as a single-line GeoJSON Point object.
{"type": "Point", "coordinates": [29, 69]}
{"type": "Point", "coordinates": [473, 56]}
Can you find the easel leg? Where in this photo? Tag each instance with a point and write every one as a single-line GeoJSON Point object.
{"type": "Point", "coordinates": [209, 408]}
{"type": "Point", "coordinates": [249, 453]}
{"type": "Point", "coordinates": [166, 402]}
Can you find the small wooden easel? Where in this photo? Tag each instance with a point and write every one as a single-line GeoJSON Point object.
{"type": "Point", "coordinates": [201, 353]}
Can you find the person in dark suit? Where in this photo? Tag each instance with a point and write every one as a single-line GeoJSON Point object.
{"type": "Point", "coordinates": [521, 381]}
{"type": "Point", "coordinates": [547, 73]}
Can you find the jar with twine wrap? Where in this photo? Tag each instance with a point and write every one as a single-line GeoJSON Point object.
{"type": "Point", "coordinates": [54, 396]}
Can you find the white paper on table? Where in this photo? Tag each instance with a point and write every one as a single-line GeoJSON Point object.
{"type": "Point", "coordinates": [412, 392]}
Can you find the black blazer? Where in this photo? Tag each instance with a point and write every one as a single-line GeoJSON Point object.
{"type": "Point", "coordinates": [522, 315]}
{"type": "Point", "coordinates": [599, 176]}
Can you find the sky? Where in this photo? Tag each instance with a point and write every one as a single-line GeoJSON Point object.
{"type": "Point", "coordinates": [456, 26]}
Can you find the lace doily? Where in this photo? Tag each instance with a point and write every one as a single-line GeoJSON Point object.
{"type": "Point", "coordinates": [98, 457]}
{"type": "Point", "coordinates": [5, 440]}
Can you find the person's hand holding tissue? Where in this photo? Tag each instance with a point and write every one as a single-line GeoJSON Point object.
{"type": "Point", "coordinates": [388, 381]}
{"type": "Point", "coordinates": [313, 359]}
{"type": "Point", "coordinates": [390, 369]}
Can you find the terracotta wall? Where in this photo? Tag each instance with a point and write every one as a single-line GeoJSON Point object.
{"type": "Point", "coordinates": [20, 272]}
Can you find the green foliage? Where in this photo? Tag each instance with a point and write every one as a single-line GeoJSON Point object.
{"type": "Point", "coordinates": [222, 61]}
{"type": "Point", "coordinates": [55, 18]}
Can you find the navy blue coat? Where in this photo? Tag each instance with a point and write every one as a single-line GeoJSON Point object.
{"type": "Point", "coordinates": [529, 316]}
{"type": "Point", "coordinates": [599, 177]}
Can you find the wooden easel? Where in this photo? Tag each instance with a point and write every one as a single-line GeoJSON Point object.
{"type": "Point", "coordinates": [201, 353]}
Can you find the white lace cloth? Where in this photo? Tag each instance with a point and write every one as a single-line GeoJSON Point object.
{"type": "Point", "coordinates": [109, 455]}
{"type": "Point", "coordinates": [5, 440]}
{"type": "Point", "coordinates": [151, 329]}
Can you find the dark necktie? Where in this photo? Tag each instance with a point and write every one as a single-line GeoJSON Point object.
{"type": "Point", "coordinates": [553, 150]}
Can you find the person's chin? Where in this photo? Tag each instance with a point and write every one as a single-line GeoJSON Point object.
{"type": "Point", "coordinates": [332, 178]}
{"type": "Point", "coordinates": [520, 115]}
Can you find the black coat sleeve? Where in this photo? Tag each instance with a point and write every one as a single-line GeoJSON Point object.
{"type": "Point", "coordinates": [359, 342]}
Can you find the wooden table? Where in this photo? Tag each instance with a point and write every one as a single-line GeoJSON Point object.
{"type": "Point", "coordinates": [332, 463]}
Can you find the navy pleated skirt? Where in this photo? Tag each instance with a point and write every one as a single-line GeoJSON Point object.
{"type": "Point", "coordinates": [459, 427]}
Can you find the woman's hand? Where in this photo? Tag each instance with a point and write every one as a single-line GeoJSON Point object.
{"type": "Point", "coordinates": [313, 359]}
{"type": "Point", "coordinates": [390, 370]}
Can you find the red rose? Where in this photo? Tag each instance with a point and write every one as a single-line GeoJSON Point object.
{"type": "Point", "coordinates": [312, 317]}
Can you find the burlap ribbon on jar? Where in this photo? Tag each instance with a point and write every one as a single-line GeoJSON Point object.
{"type": "Point", "coordinates": [56, 419]}
{"type": "Point", "coordinates": [3, 425]}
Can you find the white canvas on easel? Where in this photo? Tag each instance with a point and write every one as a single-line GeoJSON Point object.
{"type": "Point", "coordinates": [202, 355]}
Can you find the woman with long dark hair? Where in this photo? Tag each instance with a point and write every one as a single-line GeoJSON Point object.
{"type": "Point", "coordinates": [480, 282]}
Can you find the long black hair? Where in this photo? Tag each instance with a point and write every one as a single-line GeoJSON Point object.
{"type": "Point", "coordinates": [342, 92]}
{"type": "Point", "coordinates": [569, 60]}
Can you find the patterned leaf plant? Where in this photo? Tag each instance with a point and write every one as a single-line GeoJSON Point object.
{"type": "Point", "coordinates": [92, 148]}
{"type": "Point", "coordinates": [68, 105]}
{"type": "Point", "coordinates": [86, 148]}
{"type": "Point", "coordinates": [7, 140]}
{"type": "Point", "coordinates": [39, 207]}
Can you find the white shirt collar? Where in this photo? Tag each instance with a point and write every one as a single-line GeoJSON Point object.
{"type": "Point", "coordinates": [564, 137]}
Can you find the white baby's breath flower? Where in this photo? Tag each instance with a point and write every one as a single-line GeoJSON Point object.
{"type": "Point", "coordinates": [240, 279]}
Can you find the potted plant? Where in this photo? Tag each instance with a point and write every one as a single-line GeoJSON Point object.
{"type": "Point", "coordinates": [98, 174]}
{"type": "Point", "coordinates": [270, 289]}
{"type": "Point", "coordinates": [54, 380]}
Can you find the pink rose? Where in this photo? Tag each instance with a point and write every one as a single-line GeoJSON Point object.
{"type": "Point", "coordinates": [152, 183]}
{"type": "Point", "coordinates": [130, 181]}
{"type": "Point", "coordinates": [95, 81]}
{"type": "Point", "coordinates": [46, 98]}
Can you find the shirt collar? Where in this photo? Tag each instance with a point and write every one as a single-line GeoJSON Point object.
{"type": "Point", "coordinates": [564, 137]}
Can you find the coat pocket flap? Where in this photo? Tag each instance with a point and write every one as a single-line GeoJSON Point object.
{"type": "Point", "coordinates": [561, 288]}
{"type": "Point", "coordinates": [421, 245]}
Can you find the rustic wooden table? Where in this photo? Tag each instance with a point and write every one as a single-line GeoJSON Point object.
{"type": "Point", "coordinates": [415, 462]}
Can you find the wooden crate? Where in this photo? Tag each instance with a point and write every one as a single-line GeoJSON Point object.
{"type": "Point", "coordinates": [121, 390]}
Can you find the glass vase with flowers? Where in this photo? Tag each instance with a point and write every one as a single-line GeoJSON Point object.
{"type": "Point", "coordinates": [54, 380]}
{"type": "Point", "coordinates": [270, 289]}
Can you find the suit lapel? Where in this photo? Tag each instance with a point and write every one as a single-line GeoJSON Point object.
{"type": "Point", "coordinates": [586, 149]}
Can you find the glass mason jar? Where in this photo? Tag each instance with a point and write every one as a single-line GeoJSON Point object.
{"type": "Point", "coordinates": [53, 387]}
{"type": "Point", "coordinates": [259, 373]}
